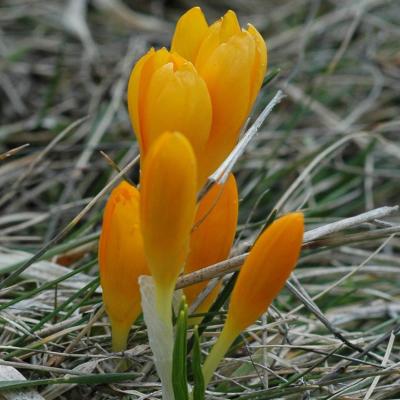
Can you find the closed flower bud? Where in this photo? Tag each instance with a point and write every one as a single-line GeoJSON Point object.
{"type": "Point", "coordinates": [212, 236]}
{"type": "Point", "coordinates": [265, 270]}
{"type": "Point", "coordinates": [121, 261]}
{"type": "Point", "coordinates": [232, 61]}
{"type": "Point", "coordinates": [261, 278]}
{"type": "Point", "coordinates": [165, 93]}
{"type": "Point", "coordinates": [167, 208]}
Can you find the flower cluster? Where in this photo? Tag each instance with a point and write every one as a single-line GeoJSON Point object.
{"type": "Point", "coordinates": [204, 87]}
{"type": "Point", "coordinates": [187, 106]}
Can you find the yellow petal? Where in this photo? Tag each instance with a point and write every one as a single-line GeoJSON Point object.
{"type": "Point", "coordinates": [121, 261]}
{"type": "Point", "coordinates": [133, 94]}
{"type": "Point", "coordinates": [178, 100]}
{"type": "Point", "coordinates": [210, 42]}
{"type": "Point", "coordinates": [212, 236]}
{"type": "Point", "coordinates": [260, 64]}
{"type": "Point", "coordinates": [229, 27]}
{"type": "Point", "coordinates": [190, 31]}
{"type": "Point", "coordinates": [218, 33]}
{"type": "Point", "coordinates": [265, 271]}
{"type": "Point", "coordinates": [167, 206]}
{"type": "Point", "coordinates": [228, 75]}
{"type": "Point", "coordinates": [165, 93]}
{"type": "Point", "coordinates": [137, 89]}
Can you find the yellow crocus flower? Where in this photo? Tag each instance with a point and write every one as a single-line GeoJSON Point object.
{"type": "Point", "coordinates": [233, 62]}
{"type": "Point", "coordinates": [212, 236]}
{"type": "Point", "coordinates": [165, 93]}
{"type": "Point", "coordinates": [260, 279]}
{"type": "Point", "coordinates": [121, 261]}
{"type": "Point", "coordinates": [167, 208]}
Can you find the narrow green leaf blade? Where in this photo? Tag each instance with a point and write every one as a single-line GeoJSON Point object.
{"type": "Point", "coordinates": [199, 388]}
{"type": "Point", "coordinates": [179, 366]}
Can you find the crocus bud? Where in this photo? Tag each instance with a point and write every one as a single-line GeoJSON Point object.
{"type": "Point", "coordinates": [212, 236]}
{"type": "Point", "coordinates": [265, 270]}
{"type": "Point", "coordinates": [121, 261]}
{"type": "Point", "coordinates": [167, 208]}
{"type": "Point", "coordinates": [232, 61]}
{"type": "Point", "coordinates": [261, 278]}
{"type": "Point", "coordinates": [165, 93]}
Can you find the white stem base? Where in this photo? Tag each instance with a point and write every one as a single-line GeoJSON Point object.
{"type": "Point", "coordinates": [160, 333]}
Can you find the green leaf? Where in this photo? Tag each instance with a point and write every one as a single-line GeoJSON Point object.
{"type": "Point", "coordinates": [199, 388]}
{"type": "Point", "coordinates": [271, 75]}
{"type": "Point", "coordinates": [179, 366]}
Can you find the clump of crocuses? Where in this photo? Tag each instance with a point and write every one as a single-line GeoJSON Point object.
{"type": "Point", "coordinates": [187, 106]}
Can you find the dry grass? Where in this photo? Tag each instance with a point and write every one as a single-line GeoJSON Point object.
{"type": "Point", "coordinates": [330, 148]}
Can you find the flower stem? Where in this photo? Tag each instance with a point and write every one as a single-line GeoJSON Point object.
{"type": "Point", "coordinates": [164, 297]}
{"type": "Point", "coordinates": [218, 352]}
{"type": "Point", "coordinates": [120, 333]}
{"type": "Point", "coordinates": [163, 308]}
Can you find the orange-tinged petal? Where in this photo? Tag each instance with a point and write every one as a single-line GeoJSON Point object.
{"type": "Point", "coordinates": [177, 99]}
{"type": "Point", "coordinates": [121, 261]}
{"type": "Point", "coordinates": [212, 236]}
{"type": "Point", "coordinates": [265, 271]}
{"type": "Point", "coordinates": [137, 88]}
{"type": "Point", "coordinates": [260, 64]}
{"type": "Point", "coordinates": [134, 94]}
{"type": "Point", "coordinates": [165, 93]}
{"type": "Point", "coordinates": [167, 206]}
{"type": "Point", "coordinates": [157, 60]}
{"type": "Point", "coordinates": [190, 31]}
{"type": "Point", "coordinates": [228, 75]}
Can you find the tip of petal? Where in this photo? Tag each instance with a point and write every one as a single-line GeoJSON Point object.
{"type": "Point", "coordinates": [173, 143]}
{"type": "Point", "coordinates": [293, 221]}
{"type": "Point", "coordinates": [124, 191]}
{"type": "Point", "coordinates": [230, 14]}
{"type": "Point", "coordinates": [161, 54]}
{"type": "Point", "coordinates": [189, 33]}
{"type": "Point", "coordinates": [194, 12]}
{"type": "Point", "coordinates": [124, 186]}
{"type": "Point", "coordinates": [297, 217]}
{"type": "Point", "coordinates": [230, 26]}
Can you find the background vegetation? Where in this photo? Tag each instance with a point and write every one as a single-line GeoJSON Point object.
{"type": "Point", "coordinates": [64, 67]}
